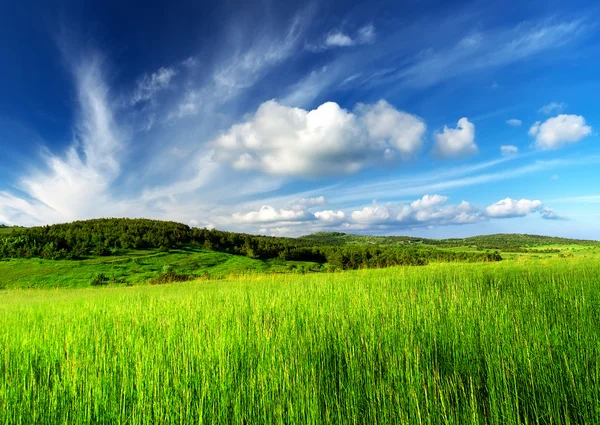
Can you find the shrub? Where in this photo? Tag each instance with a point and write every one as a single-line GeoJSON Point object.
{"type": "Point", "coordinates": [99, 280]}
{"type": "Point", "coordinates": [169, 276]}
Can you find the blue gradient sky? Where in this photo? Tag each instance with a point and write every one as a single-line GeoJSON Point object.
{"type": "Point", "coordinates": [422, 118]}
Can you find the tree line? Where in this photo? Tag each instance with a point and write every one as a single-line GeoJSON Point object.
{"type": "Point", "coordinates": [102, 237]}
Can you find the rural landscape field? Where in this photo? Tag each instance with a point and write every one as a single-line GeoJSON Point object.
{"type": "Point", "coordinates": [248, 340]}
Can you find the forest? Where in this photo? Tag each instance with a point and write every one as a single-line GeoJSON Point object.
{"type": "Point", "coordinates": [104, 237]}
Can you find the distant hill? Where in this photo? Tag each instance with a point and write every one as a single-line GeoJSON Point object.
{"type": "Point", "coordinates": [4, 229]}
{"type": "Point", "coordinates": [494, 241]}
{"type": "Point", "coordinates": [103, 237]}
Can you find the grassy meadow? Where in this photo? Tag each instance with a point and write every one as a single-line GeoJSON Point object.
{"type": "Point", "coordinates": [514, 342]}
{"type": "Point", "coordinates": [133, 268]}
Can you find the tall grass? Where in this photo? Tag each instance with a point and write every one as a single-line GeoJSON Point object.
{"type": "Point", "coordinates": [444, 344]}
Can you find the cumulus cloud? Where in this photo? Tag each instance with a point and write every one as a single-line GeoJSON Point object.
{"type": "Point", "coordinates": [427, 211]}
{"type": "Point", "coordinates": [509, 208]}
{"type": "Point", "coordinates": [428, 201]}
{"type": "Point", "coordinates": [330, 217]}
{"type": "Point", "coordinates": [433, 210]}
{"type": "Point", "coordinates": [149, 85]}
{"type": "Point", "coordinates": [552, 108]}
{"type": "Point", "coordinates": [337, 38]}
{"type": "Point", "coordinates": [456, 142]}
{"type": "Point", "coordinates": [375, 214]}
{"type": "Point", "coordinates": [463, 213]}
{"type": "Point", "coordinates": [508, 150]}
{"type": "Point", "coordinates": [329, 140]}
{"type": "Point", "coordinates": [513, 122]}
{"type": "Point", "coordinates": [558, 131]}
{"type": "Point", "coordinates": [268, 214]}
{"type": "Point", "coordinates": [388, 126]}
{"type": "Point", "coordinates": [310, 202]}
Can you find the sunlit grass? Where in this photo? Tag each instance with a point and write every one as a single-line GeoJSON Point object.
{"type": "Point", "coordinates": [498, 343]}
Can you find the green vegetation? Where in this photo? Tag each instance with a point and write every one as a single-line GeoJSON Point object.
{"type": "Point", "coordinates": [512, 342]}
{"type": "Point", "coordinates": [138, 267]}
{"type": "Point", "coordinates": [5, 230]}
{"type": "Point", "coordinates": [500, 242]}
{"type": "Point", "coordinates": [126, 251]}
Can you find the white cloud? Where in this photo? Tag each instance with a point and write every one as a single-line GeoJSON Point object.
{"type": "Point", "coordinates": [456, 142]}
{"type": "Point", "coordinates": [338, 39]}
{"type": "Point", "coordinates": [463, 213]}
{"type": "Point", "coordinates": [371, 215]}
{"type": "Point", "coordinates": [552, 108]}
{"type": "Point", "coordinates": [425, 212]}
{"type": "Point", "coordinates": [311, 202]}
{"type": "Point", "coordinates": [310, 86]}
{"type": "Point", "coordinates": [513, 122]}
{"type": "Point", "coordinates": [507, 150]}
{"type": "Point", "coordinates": [432, 210]}
{"type": "Point", "coordinates": [268, 214]}
{"type": "Point", "coordinates": [483, 50]}
{"type": "Point", "coordinates": [429, 210]}
{"type": "Point", "coordinates": [366, 34]}
{"type": "Point", "coordinates": [509, 208]}
{"type": "Point", "coordinates": [330, 217]}
{"type": "Point", "coordinates": [243, 69]}
{"type": "Point", "coordinates": [149, 85]}
{"type": "Point", "coordinates": [75, 185]}
{"type": "Point", "coordinates": [328, 140]}
{"type": "Point", "coordinates": [428, 201]}
{"type": "Point", "coordinates": [400, 130]}
{"type": "Point", "coordinates": [558, 131]}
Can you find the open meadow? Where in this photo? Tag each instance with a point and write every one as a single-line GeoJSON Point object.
{"type": "Point", "coordinates": [509, 342]}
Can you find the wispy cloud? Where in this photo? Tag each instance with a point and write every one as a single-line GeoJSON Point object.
{"type": "Point", "coordinates": [76, 184]}
{"type": "Point", "coordinates": [552, 108]}
{"type": "Point", "coordinates": [340, 39]}
{"type": "Point", "coordinates": [149, 85]}
{"type": "Point", "coordinates": [485, 49]}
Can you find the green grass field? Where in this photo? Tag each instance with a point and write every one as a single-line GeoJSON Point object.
{"type": "Point", "coordinates": [497, 343]}
{"type": "Point", "coordinates": [132, 268]}
{"type": "Point", "coordinates": [138, 267]}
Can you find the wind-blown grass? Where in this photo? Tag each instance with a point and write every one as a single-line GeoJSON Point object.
{"type": "Point", "coordinates": [443, 344]}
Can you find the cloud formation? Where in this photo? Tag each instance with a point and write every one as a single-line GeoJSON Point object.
{"type": "Point", "coordinates": [456, 142]}
{"type": "Point", "coordinates": [330, 217]}
{"type": "Point", "coordinates": [73, 186]}
{"type": "Point", "coordinates": [513, 122]}
{"type": "Point", "coordinates": [430, 210]}
{"type": "Point", "coordinates": [509, 208]}
{"type": "Point", "coordinates": [427, 211]}
{"type": "Point", "coordinates": [328, 140]}
{"type": "Point", "coordinates": [337, 38]}
{"type": "Point", "coordinates": [268, 214]}
{"type": "Point", "coordinates": [149, 85]}
{"type": "Point", "coordinates": [552, 108]}
{"type": "Point", "coordinates": [482, 50]}
{"type": "Point", "coordinates": [558, 131]}
{"type": "Point", "coordinates": [508, 150]}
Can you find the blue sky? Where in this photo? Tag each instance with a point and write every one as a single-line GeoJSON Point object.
{"type": "Point", "coordinates": [429, 118]}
